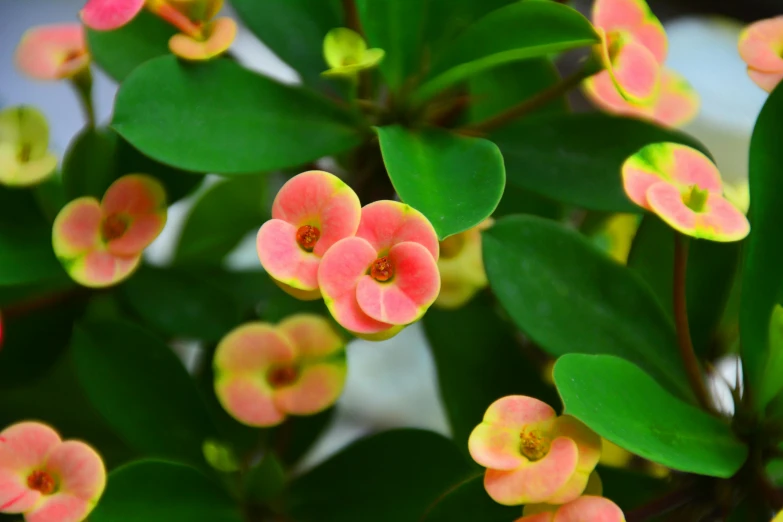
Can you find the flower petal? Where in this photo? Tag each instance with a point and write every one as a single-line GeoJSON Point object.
{"type": "Point", "coordinates": [761, 43]}
{"type": "Point", "coordinates": [60, 507]}
{"type": "Point", "coordinates": [518, 411]}
{"type": "Point", "coordinates": [105, 15]}
{"type": "Point", "coordinates": [537, 481]}
{"type": "Point", "coordinates": [496, 447]}
{"type": "Point", "coordinates": [252, 348]}
{"type": "Point", "coordinates": [317, 388]}
{"type": "Point", "coordinates": [386, 223]}
{"type": "Point", "coordinates": [52, 52]}
{"type": "Point", "coordinates": [765, 80]}
{"type": "Point", "coordinates": [221, 34]}
{"type": "Point", "coordinates": [611, 14]}
{"type": "Point", "coordinates": [322, 200]}
{"type": "Point", "coordinates": [249, 400]}
{"type": "Point", "coordinates": [32, 172]}
{"type": "Point", "coordinates": [407, 296]}
{"type": "Point", "coordinates": [25, 126]}
{"type": "Point", "coordinates": [594, 509]}
{"type": "Point", "coordinates": [80, 470]}
{"type": "Point", "coordinates": [141, 201]}
{"type": "Point", "coordinates": [678, 102]}
{"type": "Point", "coordinates": [99, 269]}
{"type": "Point", "coordinates": [313, 335]}
{"type": "Point", "coordinates": [25, 445]}
{"type": "Point", "coordinates": [601, 91]}
{"type": "Point", "coordinates": [283, 259]}
{"type": "Point", "coordinates": [343, 45]}
{"type": "Point", "coordinates": [633, 69]}
{"type": "Point", "coordinates": [341, 268]}
{"type": "Point", "coordinates": [587, 441]}
{"type": "Point", "coordinates": [76, 229]}
{"type": "Point", "coordinates": [462, 275]}
{"type": "Point", "coordinates": [15, 495]}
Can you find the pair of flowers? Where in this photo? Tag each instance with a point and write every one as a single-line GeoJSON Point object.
{"type": "Point", "coordinates": [45, 478]}
{"type": "Point", "coordinates": [374, 266]}
{"type": "Point", "coordinates": [536, 458]}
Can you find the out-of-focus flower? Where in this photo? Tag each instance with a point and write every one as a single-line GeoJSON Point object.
{"type": "Point", "coordinates": [588, 508]}
{"type": "Point", "coordinates": [761, 48]}
{"type": "Point", "coordinates": [24, 147]}
{"type": "Point", "coordinates": [461, 267]}
{"type": "Point", "coordinates": [346, 53]}
{"type": "Point", "coordinates": [107, 15]}
{"type": "Point", "coordinates": [53, 52]}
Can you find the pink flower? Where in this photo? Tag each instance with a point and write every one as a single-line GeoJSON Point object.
{"type": "Point", "coordinates": [584, 509]}
{"type": "Point", "coordinates": [106, 15]}
{"type": "Point", "coordinates": [386, 276]}
{"type": "Point", "coordinates": [45, 478]}
{"type": "Point", "coordinates": [760, 46]}
{"type": "Point", "coordinates": [100, 243]}
{"type": "Point", "coordinates": [53, 52]}
{"type": "Point", "coordinates": [265, 372]}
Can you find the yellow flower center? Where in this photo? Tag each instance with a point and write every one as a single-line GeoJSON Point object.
{"type": "Point", "coordinates": [695, 198]}
{"type": "Point", "coordinates": [534, 444]}
{"type": "Point", "coordinates": [307, 236]}
{"type": "Point", "coordinates": [382, 269]}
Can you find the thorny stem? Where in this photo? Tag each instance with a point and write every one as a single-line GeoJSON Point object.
{"type": "Point", "coordinates": [528, 105]}
{"type": "Point", "coordinates": [684, 341]}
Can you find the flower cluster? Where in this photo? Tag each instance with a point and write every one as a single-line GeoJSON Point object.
{"type": "Point", "coordinates": [264, 372]}
{"type": "Point", "coordinates": [536, 458]}
{"type": "Point", "coordinates": [684, 188]}
{"type": "Point", "coordinates": [374, 266]}
{"type": "Point", "coordinates": [202, 36]}
{"type": "Point", "coordinates": [45, 478]}
{"type": "Point", "coordinates": [100, 243]}
{"type": "Point", "coordinates": [634, 81]}
{"type": "Point", "coordinates": [25, 158]}
{"type": "Point", "coordinates": [760, 46]}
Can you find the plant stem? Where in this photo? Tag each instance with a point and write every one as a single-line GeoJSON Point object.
{"type": "Point", "coordinates": [351, 16]}
{"type": "Point", "coordinates": [536, 102]}
{"type": "Point", "coordinates": [684, 341]}
{"type": "Point", "coordinates": [82, 84]}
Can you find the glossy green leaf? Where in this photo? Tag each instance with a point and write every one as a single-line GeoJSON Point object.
{"type": "Point", "coordinates": [516, 32]}
{"type": "Point", "coordinates": [626, 406]}
{"type": "Point", "coordinates": [762, 269]}
{"type": "Point", "coordinates": [502, 87]}
{"type": "Point", "coordinates": [397, 27]}
{"type": "Point", "coordinates": [294, 30]}
{"type": "Point", "coordinates": [569, 297]}
{"type": "Point", "coordinates": [576, 158]}
{"type": "Point", "coordinates": [120, 51]}
{"type": "Point", "coordinates": [220, 218]}
{"type": "Point", "coordinates": [181, 304]}
{"type": "Point", "coordinates": [455, 181]}
{"type": "Point", "coordinates": [498, 369]}
{"type": "Point", "coordinates": [152, 491]}
{"type": "Point", "coordinates": [241, 121]}
{"type": "Point", "coordinates": [469, 501]}
{"type": "Point", "coordinates": [142, 389]}
{"type": "Point", "coordinates": [390, 477]}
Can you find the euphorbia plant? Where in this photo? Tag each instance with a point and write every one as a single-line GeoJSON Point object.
{"type": "Point", "coordinates": [578, 276]}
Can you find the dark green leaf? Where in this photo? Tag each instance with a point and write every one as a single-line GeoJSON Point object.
{"type": "Point", "coordinates": [120, 51]}
{"type": "Point", "coordinates": [498, 369]}
{"type": "Point", "coordinates": [469, 501]}
{"type": "Point", "coordinates": [180, 304]}
{"type": "Point", "coordinates": [241, 121]}
{"type": "Point", "coordinates": [294, 30]}
{"type": "Point", "coordinates": [569, 297]}
{"type": "Point", "coordinates": [762, 272]}
{"type": "Point", "coordinates": [576, 158]}
{"type": "Point", "coordinates": [156, 491]}
{"type": "Point", "coordinates": [652, 257]}
{"type": "Point", "coordinates": [142, 389]}
{"type": "Point", "coordinates": [518, 201]}
{"type": "Point", "coordinates": [516, 32]}
{"type": "Point", "coordinates": [455, 181]}
{"type": "Point", "coordinates": [220, 218]}
{"type": "Point", "coordinates": [629, 489]}
{"type": "Point", "coordinates": [626, 406]}
{"type": "Point", "coordinates": [390, 477]}
{"type": "Point", "coordinates": [265, 481]}
{"type": "Point", "coordinates": [298, 434]}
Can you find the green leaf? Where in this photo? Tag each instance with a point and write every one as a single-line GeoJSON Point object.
{"type": "Point", "coordinates": [455, 181]}
{"type": "Point", "coordinates": [120, 51]}
{"type": "Point", "coordinates": [142, 389]}
{"type": "Point", "coordinates": [762, 269]}
{"type": "Point", "coordinates": [516, 32]}
{"type": "Point", "coordinates": [241, 121]}
{"type": "Point", "coordinates": [297, 435]}
{"type": "Point", "coordinates": [97, 157]}
{"type": "Point", "coordinates": [570, 297]}
{"type": "Point", "coordinates": [220, 218]}
{"type": "Point", "coordinates": [152, 491]}
{"type": "Point", "coordinates": [469, 501]}
{"type": "Point", "coordinates": [576, 158]}
{"type": "Point", "coordinates": [626, 406]}
{"type": "Point", "coordinates": [178, 303]}
{"type": "Point", "coordinates": [502, 87]}
{"type": "Point", "coordinates": [265, 481]}
{"type": "Point", "coordinates": [498, 369]}
{"type": "Point", "coordinates": [397, 27]}
{"type": "Point", "coordinates": [772, 387]}
{"type": "Point", "coordinates": [294, 30]}
{"type": "Point", "coordinates": [629, 489]}
{"type": "Point", "coordinates": [390, 477]}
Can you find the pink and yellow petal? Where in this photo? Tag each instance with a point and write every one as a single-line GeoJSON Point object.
{"type": "Point", "coordinates": [386, 223]}
{"type": "Point", "coordinates": [313, 335]}
{"type": "Point", "coordinates": [652, 35]}
{"type": "Point", "coordinates": [496, 447]}
{"type": "Point", "coordinates": [60, 507]}
{"type": "Point", "coordinates": [589, 509]}
{"type": "Point", "coordinates": [252, 348]}
{"type": "Point", "coordinates": [220, 35]}
{"type": "Point", "coordinates": [317, 388]}
{"type": "Point", "coordinates": [611, 14]}
{"type": "Point", "coordinates": [15, 495]}
{"type": "Point", "coordinates": [761, 45]}
{"type": "Point", "coordinates": [691, 167]}
{"type": "Point", "coordinates": [76, 229]}
{"type": "Point", "coordinates": [537, 481]}
{"type": "Point", "coordinates": [26, 445]}
{"type": "Point", "coordinates": [601, 91]}
{"type": "Point", "coordinates": [766, 80]}
{"type": "Point", "coordinates": [99, 269]}
{"type": "Point", "coordinates": [633, 69]}
{"type": "Point", "coordinates": [53, 52]}
{"type": "Point", "coordinates": [678, 102]}
{"type": "Point", "coordinates": [518, 412]}
{"type": "Point", "coordinates": [106, 15]}
{"type": "Point", "coordinates": [302, 295]}
{"type": "Point", "coordinates": [135, 195]}
{"type": "Point", "coordinates": [587, 441]}
{"type": "Point", "coordinates": [283, 259]}
{"type": "Point", "coordinates": [249, 400]}
{"type": "Point", "coordinates": [80, 470]}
